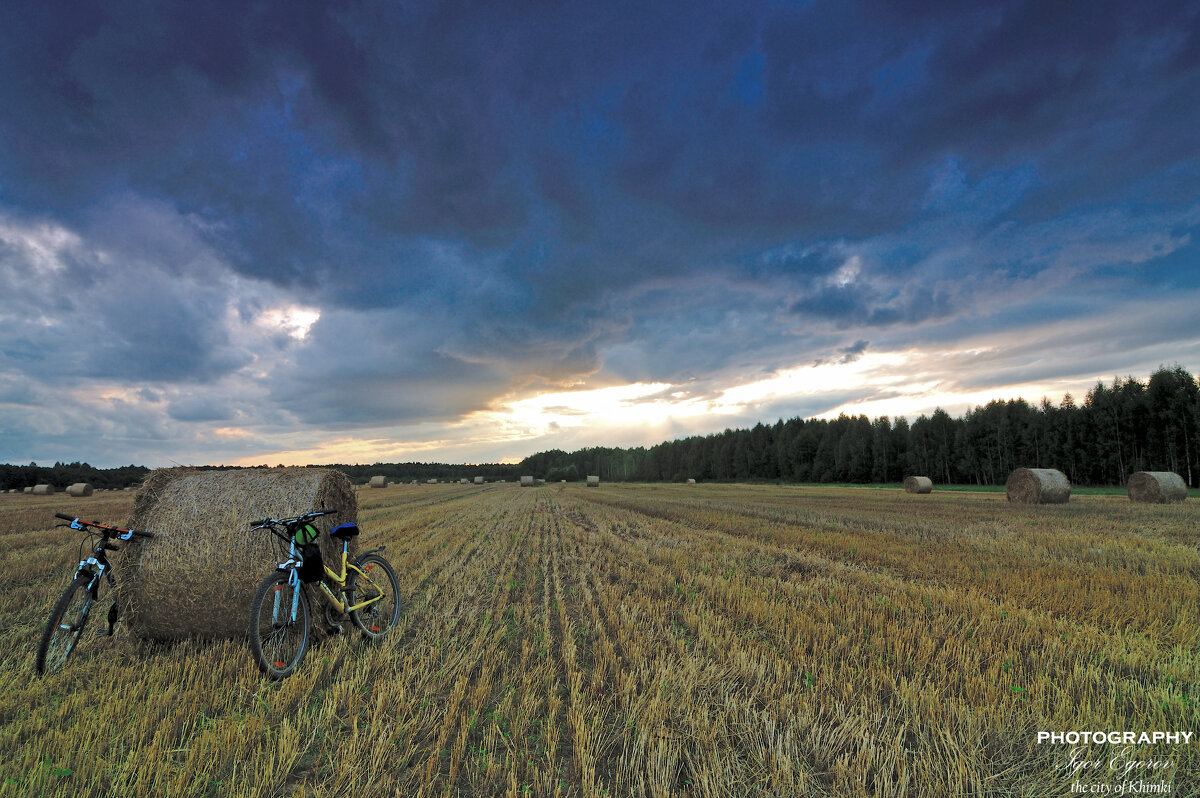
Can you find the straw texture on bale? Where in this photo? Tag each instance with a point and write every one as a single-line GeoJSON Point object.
{"type": "Point", "coordinates": [378, 482]}
{"type": "Point", "coordinates": [593, 481]}
{"type": "Point", "coordinates": [918, 484]}
{"type": "Point", "coordinates": [43, 490]}
{"type": "Point", "coordinates": [196, 577]}
{"type": "Point", "coordinates": [79, 489]}
{"type": "Point", "coordinates": [1038, 486]}
{"type": "Point", "coordinates": [1157, 487]}
{"type": "Point", "coordinates": [527, 482]}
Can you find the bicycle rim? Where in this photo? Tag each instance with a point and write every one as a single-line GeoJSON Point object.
{"type": "Point", "coordinates": [277, 642]}
{"type": "Point", "coordinates": [377, 618]}
{"type": "Point", "coordinates": [65, 626]}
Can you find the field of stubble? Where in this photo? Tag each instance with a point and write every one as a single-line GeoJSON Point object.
{"type": "Point", "coordinates": [719, 640]}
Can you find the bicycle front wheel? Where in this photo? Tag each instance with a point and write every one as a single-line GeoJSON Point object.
{"type": "Point", "coordinates": [65, 626]}
{"type": "Point", "coordinates": [278, 640]}
{"type": "Point", "coordinates": [375, 619]}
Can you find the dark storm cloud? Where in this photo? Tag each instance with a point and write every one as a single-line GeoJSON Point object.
{"type": "Point", "coordinates": [315, 135]}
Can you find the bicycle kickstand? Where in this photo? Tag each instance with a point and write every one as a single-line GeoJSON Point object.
{"type": "Point", "coordinates": [113, 612]}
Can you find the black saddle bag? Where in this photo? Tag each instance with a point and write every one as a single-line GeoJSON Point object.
{"type": "Point", "coordinates": [313, 567]}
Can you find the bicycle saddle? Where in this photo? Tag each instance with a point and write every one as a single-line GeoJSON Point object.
{"type": "Point", "coordinates": [344, 531]}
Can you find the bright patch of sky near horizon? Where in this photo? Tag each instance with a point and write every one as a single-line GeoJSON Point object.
{"type": "Point", "coordinates": [366, 232]}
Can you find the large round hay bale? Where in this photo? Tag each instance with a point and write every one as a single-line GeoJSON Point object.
{"type": "Point", "coordinates": [43, 490]}
{"type": "Point", "coordinates": [527, 481]}
{"type": "Point", "coordinates": [593, 481]}
{"type": "Point", "coordinates": [691, 481]}
{"type": "Point", "coordinates": [79, 489]}
{"type": "Point", "coordinates": [196, 577]}
{"type": "Point", "coordinates": [918, 484]}
{"type": "Point", "coordinates": [378, 482]}
{"type": "Point", "coordinates": [478, 480]}
{"type": "Point", "coordinates": [28, 489]}
{"type": "Point", "coordinates": [1157, 487]}
{"type": "Point", "coordinates": [1038, 486]}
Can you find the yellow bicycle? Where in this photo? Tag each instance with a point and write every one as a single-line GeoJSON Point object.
{"type": "Point", "coordinates": [366, 590]}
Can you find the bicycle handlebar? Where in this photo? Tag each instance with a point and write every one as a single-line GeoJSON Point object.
{"type": "Point", "coordinates": [141, 533]}
{"type": "Point", "coordinates": [286, 521]}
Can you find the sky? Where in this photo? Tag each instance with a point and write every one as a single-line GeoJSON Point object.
{"type": "Point", "coordinates": [247, 233]}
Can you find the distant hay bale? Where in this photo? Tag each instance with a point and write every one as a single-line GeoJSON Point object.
{"type": "Point", "coordinates": [43, 490]}
{"type": "Point", "coordinates": [918, 484]}
{"type": "Point", "coordinates": [432, 481]}
{"type": "Point", "coordinates": [593, 481]}
{"type": "Point", "coordinates": [691, 482]}
{"type": "Point", "coordinates": [1038, 486]}
{"type": "Point", "coordinates": [378, 482]}
{"type": "Point", "coordinates": [28, 490]}
{"type": "Point", "coordinates": [527, 482]}
{"type": "Point", "coordinates": [478, 480]}
{"type": "Point", "coordinates": [79, 489]}
{"type": "Point", "coordinates": [1157, 487]}
{"type": "Point", "coordinates": [196, 577]}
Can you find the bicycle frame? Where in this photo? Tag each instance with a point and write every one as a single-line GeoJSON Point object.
{"type": "Point", "coordinates": [339, 579]}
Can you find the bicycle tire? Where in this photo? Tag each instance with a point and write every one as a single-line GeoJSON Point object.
{"type": "Point", "coordinates": [377, 619]}
{"type": "Point", "coordinates": [59, 639]}
{"type": "Point", "coordinates": [286, 642]}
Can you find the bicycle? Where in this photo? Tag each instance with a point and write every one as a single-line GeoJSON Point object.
{"type": "Point", "coordinates": [70, 613]}
{"type": "Point", "coordinates": [279, 622]}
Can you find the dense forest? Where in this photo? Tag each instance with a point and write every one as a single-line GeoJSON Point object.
{"type": "Point", "coordinates": [63, 474]}
{"type": "Point", "coordinates": [60, 475]}
{"type": "Point", "coordinates": [1118, 429]}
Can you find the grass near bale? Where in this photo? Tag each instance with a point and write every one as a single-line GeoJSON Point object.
{"type": "Point", "coordinates": [705, 640]}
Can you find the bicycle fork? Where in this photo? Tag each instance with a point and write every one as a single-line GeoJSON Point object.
{"type": "Point", "coordinates": [99, 570]}
{"type": "Point", "coordinates": [282, 615]}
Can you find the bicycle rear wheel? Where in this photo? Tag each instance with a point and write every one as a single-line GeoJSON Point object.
{"type": "Point", "coordinates": [65, 626]}
{"type": "Point", "coordinates": [277, 642]}
{"type": "Point", "coordinates": [376, 618]}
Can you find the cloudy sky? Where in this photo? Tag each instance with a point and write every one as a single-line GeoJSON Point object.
{"type": "Point", "coordinates": [348, 232]}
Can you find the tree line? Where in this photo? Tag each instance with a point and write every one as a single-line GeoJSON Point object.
{"type": "Point", "coordinates": [60, 475]}
{"type": "Point", "coordinates": [1118, 429]}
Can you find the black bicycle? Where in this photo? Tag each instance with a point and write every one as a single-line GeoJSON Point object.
{"type": "Point", "coordinates": [70, 614]}
{"type": "Point", "coordinates": [366, 590]}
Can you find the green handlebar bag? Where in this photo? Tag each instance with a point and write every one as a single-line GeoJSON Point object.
{"type": "Point", "coordinates": [306, 533]}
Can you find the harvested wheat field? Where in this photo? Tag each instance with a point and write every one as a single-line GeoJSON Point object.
{"type": "Point", "coordinates": [704, 640]}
